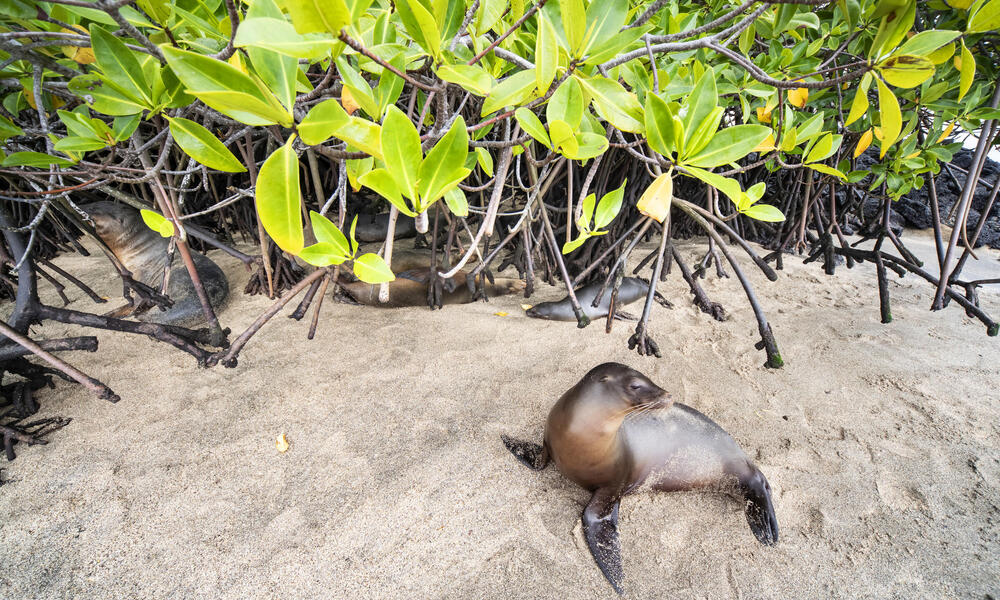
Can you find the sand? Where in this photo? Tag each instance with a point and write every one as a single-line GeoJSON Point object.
{"type": "Point", "coordinates": [879, 441]}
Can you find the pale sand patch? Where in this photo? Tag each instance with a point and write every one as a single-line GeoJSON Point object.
{"type": "Point", "coordinates": [880, 442]}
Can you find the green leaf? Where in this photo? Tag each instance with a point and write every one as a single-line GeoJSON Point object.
{"type": "Point", "coordinates": [609, 206]}
{"type": "Point", "coordinates": [371, 268]}
{"type": "Point", "coordinates": [700, 103]}
{"type": "Point", "coordinates": [604, 50]}
{"type": "Point", "coordinates": [105, 97]}
{"type": "Point", "coordinates": [322, 121]}
{"type": "Point", "coordinates": [226, 89]}
{"type": "Point", "coordinates": [587, 210]}
{"type": "Point", "coordinates": [967, 73]}
{"type": "Point", "coordinates": [34, 159]}
{"type": "Point", "coordinates": [563, 137]}
{"type": "Point", "coordinates": [828, 170]}
{"type": "Point", "coordinates": [566, 104]}
{"type": "Point", "coordinates": [926, 42]}
{"type": "Point", "coordinates": [279, 199]}
{"type": "Point", "coordinates": [278, 35]}
{"type": "Point", "coordinates": [546, 54]}
{"type": "Point", "coordinates": [457, 202]}
{"type": "Point", "coordinates": [421, 25]}
{"type": "Point", "coordinates": [824, 147]}
{"type": "Point", "coordinates": [590, 145]}
{"type": "Point", "coordinates": [79, 144]}
{"type": "Point", "coordinates": [401, 151]}
{"type": "Point", "coordinates": [659, 125]}
{"type": "Point", "coordinates": [357, 167]}
{"type": "Point", "coordinates": [574, 244]}
{"type": "Point", "coordinates": [362, 134]}
{"type": "Point", "coordinates": [729, 187]}
{"type": "Point", "coordinates": [764, 212]}
{"type": "Point", "coordinates": [157, 222]}
{"type": "Point", "coordinates": [326, 232]}
{"type": "Point", "coordinates": [906, 71]}
{"type": "Point", "coordinates": [509, 92]}
{"type": "Point", "coordinates": [390, 85]}
{"type": "Point", "coordinates": [472, 78]}
{"type": "Point", "coordinates": [384, 185]}
{"type": "Point", "coordinates": [532, 125]}
{"type": "Point", "coordinates": [987, 18]}
{"type": "Point", "coordinates": [443, 168]}
{"type": "Point", "coordinates": [704, 132]}
{"type": "Point", "coordinates": [124, 127]}
{"type": "Point", "coordinates": [360, 90]}
{"type": "Point", "coordinates": [322, 254]}
{"type": "Point", "coordinates": [8, 129]}
{"type": "Point", "coordinates": [604, 19]}
{"type": "Point", "coordinates": [728, 145]}
{"type": "Point", "coordinates": [318, 16]}
{"type": "Point", "coordinates": [614, 104]}
{"type": "Point", "coordinates": [119, 65]}
{"type": "Point", "coordinates": [201, 145]}
{"type": "Point", "coordinates": [485, 160]}
{"type": "Point", "coordinates": [574, 22]}
{"type": "Point", "coordinates": [892, 118]}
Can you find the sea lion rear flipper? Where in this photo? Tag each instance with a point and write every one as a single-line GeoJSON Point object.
{"type": "Point", "coordinates": [534, 456]}
{"type": "Point", "coordinates": [759, 509]}
{"type": "Point", "coordinates": [600, 527]}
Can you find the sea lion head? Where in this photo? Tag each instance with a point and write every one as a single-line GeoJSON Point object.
{"type": "Point", "coordinates": [545, 310]}
{"type": "Point", "coordinates": [617, 383]}
{"type": "Point", "coordinates": [114, 223]}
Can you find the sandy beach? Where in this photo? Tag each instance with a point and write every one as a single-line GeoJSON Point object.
{"type": "Point", "coordinates": [879, 441]}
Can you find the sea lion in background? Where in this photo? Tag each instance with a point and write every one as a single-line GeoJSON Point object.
{"type": "Point", "coordinates": [616, 432]}
{"type": "Point", "coordinates": [372, 228]}
{"type": "Point", "coordinates": [144, 253]}
{"type": "Point", "coordinates": [631, 289]}
{"type": "Point", "coordinates": [410, 289]}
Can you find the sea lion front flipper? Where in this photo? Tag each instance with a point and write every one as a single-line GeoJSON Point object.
{"type": "Point", "coordinates": [600, 527]}
{"type": "Point", "coordinates": [534, 456]}
{"type": "Point", "coordinates": [759, 509]}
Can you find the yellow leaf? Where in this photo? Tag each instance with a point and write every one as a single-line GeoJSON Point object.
{"type": "Point", "coordinates": [763, 114]}
{"type": "Point", "coordinates": [237, 62]}
{"type": "Point", "coordinates": [767, 145]}
{"type": "Point", "coordinates": [891, 118]}
{"type": "Point", "coordinates": [525, 306]}
{"type": "Point", "coordinates": [798, 97]}
{"type": "Point", "coordinates": [863, 143]}
{"type": "Point", "coordinates": [966, 66]}
{"type": "Point", "coordinates": [655, 201]}
{"type": "Point", "coordinates": [942, 54]}
{"type": "Point", "coordinates": [500, 314]}
{"type": "Point", "coordinates": [913, 155]}
{"type": "Point", "coordinates": [281, 444]}
{"type": "Point", "coordinates": [859, 106]}
{"type": "Point", "coordinates": [878, 133]}
{"type": "Point", "coordinates": [907, 71]}
{"type": "Point", "coordinates": [947, 132]}
{"type": "Point", "coordinates": [348, 102]}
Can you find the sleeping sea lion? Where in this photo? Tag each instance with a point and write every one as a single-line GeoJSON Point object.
{"type": "Point", "coordinates": [144, 253]}
{"type": "Point", "coordinates": [631, 289]}
{"type": "Point", "coordinates": [410, 289]}
{"type": "Point", "coordinates": [372, 228]}
{"type": "Point", "coordinates": [616, 432]}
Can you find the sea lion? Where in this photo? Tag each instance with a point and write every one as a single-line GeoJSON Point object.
{"type": "Point", "coordinates": [372, 228]}
{"type": "Point", "coordinates": [144, 253]}
{"type": "Point", "coordinates": [616, 432]}
{"type": "Point", "coordinates": [410, 289]}
{"type": "Point", "coordinates": [631, 289]}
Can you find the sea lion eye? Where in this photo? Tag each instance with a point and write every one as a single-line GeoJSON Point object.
{"type": "Point", "coordinates": [635, 385]}
{"type": "Point", "coordinates": [604, 379]}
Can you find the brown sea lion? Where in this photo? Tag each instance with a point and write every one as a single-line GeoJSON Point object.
{"type": "Point", "coordinates": [372, 228]}
{"type": "Point", "coordinates": [631, 289]}
{"type": "Point", "coordinates": [144, 252]}
{"type": "Point", "coordinates": [616, 432]}
{"type": "Point", "coordinates": [410, 289]}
